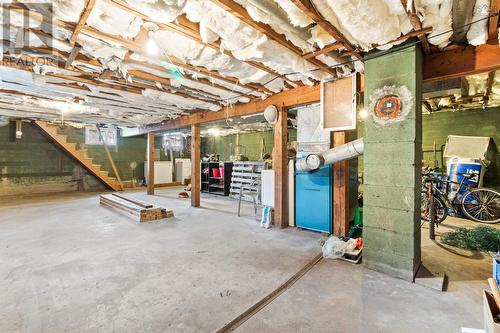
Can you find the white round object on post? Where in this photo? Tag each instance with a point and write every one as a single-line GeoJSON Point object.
{"type": "Point", "coordinates": [271, 114]}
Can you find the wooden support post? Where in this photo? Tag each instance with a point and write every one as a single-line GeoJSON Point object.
{"type": "Point", "coordinates": [237, 146]}
{"type": "Point", "coordinates": [340, 190]}
{"type": "Point", "coordinates": [110, 158]}
{"type": "Point", "coordinates": [280, 166]}
{"type": "Point", "coordinates": [151, 163]}
{"type": "Point", "coordinates": [195, 165]}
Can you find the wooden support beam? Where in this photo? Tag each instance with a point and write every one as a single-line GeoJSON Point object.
{"type": "Point", "coordinates": [106, 74]}
{"type": "Point", "coordinates": [110, 158]}
{"type": "Point", "coordinates": [72, 55]}
{"type": "Point", "coordinates": [81, 22]}
{"type": "Point", "coordinates": [340, 189]}
{"type": "Point", "coordinates": [329, 48]}
{"type": "Point", "coordinates": [151, 163]}
{"type": "Point", "coordinates": [307, 8]}
{"type": "Point", "coordinates": [191, 30]}
{"type": "Point", "coordinates": [280, 166]}
{"type": "Point", "coordinates": [489, 87]}
{"type": "Point", "coordinates": [462, 61]}
{"type": "Point", "coordinates": [493, 22]}
{"type": "Point", "coordinates": [123, 85]}
{"type": "Point", "coordinates": [417, 25]}
{"type": "Point", "coordinates": [293, 97]}
{"type": "Point", "coordinates": [195, 165]}
{"type": "Point", "coordinates": [240, 12]}
{"type": "Point", "coordinates": [415, 33]}
{"type": "Point", "coordinates": [137, 48]}
{"type": "Point", "coordinates": [200, 80]}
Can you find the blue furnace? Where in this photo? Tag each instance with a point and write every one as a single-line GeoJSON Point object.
{"type": "Point", "coordinates": [313, 199]}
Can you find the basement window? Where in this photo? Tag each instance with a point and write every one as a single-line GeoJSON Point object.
{"type": "Point", "coordinates": [92, 136]}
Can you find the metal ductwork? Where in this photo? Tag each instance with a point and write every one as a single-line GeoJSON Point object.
{"type": "Point", "coordinates": [345, 152]}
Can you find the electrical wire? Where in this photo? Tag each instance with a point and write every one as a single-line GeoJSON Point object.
{"type": "Point", "coordinates": [352, 61]}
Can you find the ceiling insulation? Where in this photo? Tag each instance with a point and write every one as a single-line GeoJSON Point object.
{"type": "Point", "coordinates": [103, 18]}
{"type": "Point", "coordinates": [208, 57]}
{"type": "Point", "coordinates": [471, 92]}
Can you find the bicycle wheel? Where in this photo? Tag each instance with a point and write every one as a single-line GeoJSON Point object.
{"type": "Point", "coordinates": [482, 205]}
{"type": "Point", "coordinates": [439, 206]}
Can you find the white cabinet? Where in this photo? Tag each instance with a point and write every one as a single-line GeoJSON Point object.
{"type": "Point", "coordinates": [182, 169]}
{"type": "Point", "coordinates": [163, 172]}
{"type": "Point", "coordinates": [267, 188]}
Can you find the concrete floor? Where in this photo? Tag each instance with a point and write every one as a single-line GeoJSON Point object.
{"type": "Point", "coordinates": [70, 265]}
{"type": "Point", "coordinates": [336, 296]}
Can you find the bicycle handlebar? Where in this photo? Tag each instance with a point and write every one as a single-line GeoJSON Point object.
{"type": "Point", "coordinates": [429, 171]}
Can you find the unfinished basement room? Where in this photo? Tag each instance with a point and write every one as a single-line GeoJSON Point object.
{"type": "Point", "coordinates": [250, 166]}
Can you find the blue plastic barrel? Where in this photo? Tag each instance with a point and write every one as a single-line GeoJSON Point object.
{"type": "Point", "coordinates": [457, 167]}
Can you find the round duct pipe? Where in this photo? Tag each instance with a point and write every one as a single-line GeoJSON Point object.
{"type": "Point", "coordinates": [344, 152]}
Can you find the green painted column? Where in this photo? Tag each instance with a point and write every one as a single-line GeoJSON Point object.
{"type": "Point", "coordinates": [392, 163]}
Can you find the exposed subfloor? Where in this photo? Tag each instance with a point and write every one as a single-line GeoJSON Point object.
{"type": "Point", "coordinates": [70, 265]}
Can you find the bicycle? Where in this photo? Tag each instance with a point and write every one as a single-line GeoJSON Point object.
{"type": "Point", "coordinates": [478, 204]}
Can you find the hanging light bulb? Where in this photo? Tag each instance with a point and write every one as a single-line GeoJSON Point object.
{"type": "Point", "coordinates": [19, 132]}
{"type": "Point", "coordinates": [151, 47]}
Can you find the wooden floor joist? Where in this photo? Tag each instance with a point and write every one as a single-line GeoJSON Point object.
{"type": "Point", "coordinates": [134, 47]}
{"type": "Point", "coordinates": [417, 24]}
{"type": "Point", "coordinates": [81, 22]}
{"type": "Point", "coordinates": [191, 30]}
{"type": "Point", "coordinates": [461, 61]}
{"type": "Point", "coordinates": [308, 9]}
{"type": "Point", "coordinates": [289, 98]}
{"type": "Point", "coordinates": [240, 12]}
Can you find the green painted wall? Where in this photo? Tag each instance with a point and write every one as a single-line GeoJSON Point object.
{"type": "Point", "coordinates": [34, 165]}
{"type": "Point", "coordinates": [127, 150]}
{"type": "Point", "coordinates": [391, 159]}
{"type": "Point", "coordinates": [437, 127]}
{"type": "Point", "coordinates": [251, 142]}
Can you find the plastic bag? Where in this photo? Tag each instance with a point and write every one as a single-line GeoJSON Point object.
{"type": "Point", "coordinates": [335, 247]}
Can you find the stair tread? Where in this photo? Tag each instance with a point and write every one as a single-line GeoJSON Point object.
{"type": "Point", "coordinates": [80, 154]}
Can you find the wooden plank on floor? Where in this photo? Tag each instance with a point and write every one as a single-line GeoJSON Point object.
{"type": "Point", "coordinates": [134, 201]}
{"type": "Point", "coordinates": [139, 210]}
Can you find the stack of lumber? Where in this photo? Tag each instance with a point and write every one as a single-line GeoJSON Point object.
{"type": "Point", "coordinates": [140, 210]}
{"type": "Point", "coordinates": [244, 173]}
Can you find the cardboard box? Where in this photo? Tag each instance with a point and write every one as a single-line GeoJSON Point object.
{"type": "Point", "coordinates": [490, 310]}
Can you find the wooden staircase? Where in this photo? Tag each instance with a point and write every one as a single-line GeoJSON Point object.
{"type": "Point", "coordinates": [79, 154]}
